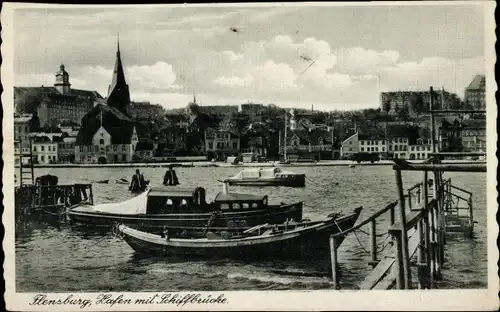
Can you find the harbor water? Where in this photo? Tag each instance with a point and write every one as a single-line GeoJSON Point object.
{"type": "Point", "coordinates": [63, 259]}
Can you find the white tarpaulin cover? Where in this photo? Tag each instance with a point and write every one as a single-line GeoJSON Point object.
{"type": "Point", "coordinates": [136, 205]}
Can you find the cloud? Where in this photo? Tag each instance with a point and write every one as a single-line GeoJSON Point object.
{"type": "Point", "coordinates": [232, 56]}
{"type": "Point", "coordinates": [360, 60]}
{"type": "Point", "coordinates": [158, 76]}
{"type": "Point", "coordinates": [233, 81]}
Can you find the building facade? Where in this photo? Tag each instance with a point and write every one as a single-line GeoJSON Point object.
{"type": "Point", "coordinates": [421, 150]}
{"type": "Point", "coordinates": [475, 93]}
{"type": "Point", "coordinates": [45, 150]}
{"type": "Point", "coordinates": [56, 104]}
{"type": "Point", "coordinates": [222, 141]}
{"type": "Point", "coordinates": [350, 146]}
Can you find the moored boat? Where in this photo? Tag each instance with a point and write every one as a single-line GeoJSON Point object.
{"type": "Point", "coordinates": [288, 240]}
{"type": "Point", "coordinates": [182, 209]}
{"type": "Point", "coordinates": [267, 177]}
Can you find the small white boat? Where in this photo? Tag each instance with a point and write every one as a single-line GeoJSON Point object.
{"type": "Point", "coordinates": [268, 177]}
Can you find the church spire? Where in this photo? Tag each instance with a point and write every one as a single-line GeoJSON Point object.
{"type": "Point", "coordinates": [118, 93]}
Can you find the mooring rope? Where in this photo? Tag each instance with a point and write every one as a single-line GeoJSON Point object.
{"type": "Point", "coordinates": [99, 240]}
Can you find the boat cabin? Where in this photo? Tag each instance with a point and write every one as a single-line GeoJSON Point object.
{"type": "Point", "coordinates": [234, 201]}
{"type": "Point", "coordinates": [165, 200]}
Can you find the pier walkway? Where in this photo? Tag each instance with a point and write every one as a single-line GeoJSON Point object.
{"type": "Point", "coordinates": [427, 213]}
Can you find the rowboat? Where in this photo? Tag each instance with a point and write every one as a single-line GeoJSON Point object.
{"type": "Point", "coordinates": [288, 240]}
{"type": "Point", "coordinates": [185, 209]}
{"type": "Point", "coordinates": [267, 177]}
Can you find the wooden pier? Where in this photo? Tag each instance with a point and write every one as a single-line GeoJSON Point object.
{"type": "Point", "coordinates": [427, 212]}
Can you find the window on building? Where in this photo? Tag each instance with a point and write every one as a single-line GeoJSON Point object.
{"type": "Point", "coordinates": [42, 148]}
{"type": "Point", "coordinates": [383, 148]}
{"type": "Point", "coordinates": [124, 148]}
{"type": "Point", "coordinates": [362, 149]}
{"type": "Point", "coordinates": [210, 145]}
{"type": "Point", "coordinates": [124, 157]}
{"type": "Point", "coordinates": [101, 141]}
{"type": "Point", "coordinates": [362, 142]}
{"type": "Point", "coordinates": [376, 149]}
{"type": "Point", "coordinates": [235, 145]}
{"type": "Point", "coordinates": [42, 158]}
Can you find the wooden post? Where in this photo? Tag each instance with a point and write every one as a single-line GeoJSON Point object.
{"type": "Point", "coordinates": [404, 233]}
{"type": "Point", "coordinates": [441, 219]}
{"type": "Point", "coordinates": [409, 200]}
{"type": "Point", "coordinates": [420, 255]}
{"type": "Point", "coordinates": [373, 243]}
{"type": "Point", "coordinates": [437, 224]}
{"type": "Point", "coordinates": [392, 216]}
{"type": "Point", "coordinates": [471, 217]}
{"type": "Point", "coordinates": [427, 222]}
{"type": "Point", "coordinates": [400, 283]}
{"type": "Point", "coordinates": [334, 259]}
{"type": "Point", "coordinates": [91, 196]}
{"type": "Point", "coordinates": [432, 253]}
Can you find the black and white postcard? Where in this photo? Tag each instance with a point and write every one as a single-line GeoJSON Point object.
{"type": "Point", "coordinates": [258, 156]}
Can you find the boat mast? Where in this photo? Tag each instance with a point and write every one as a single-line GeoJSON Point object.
{"type": "Point", "coordinates": [284, 145]}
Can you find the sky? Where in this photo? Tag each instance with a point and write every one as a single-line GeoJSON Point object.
{"type": "Point", "coordinates": [328, 57]}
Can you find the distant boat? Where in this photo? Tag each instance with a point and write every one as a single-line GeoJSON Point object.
{"type": "Point", "coordinates": [286, 241]}
{"type": "Point", "coordinates": [268, 177]}
{"type": "Point", "coordinates": [352, 166]}
{"type": "Point", "coordinates": [122, 181]}
{"type": "Point", "coordinates": [102, 181]}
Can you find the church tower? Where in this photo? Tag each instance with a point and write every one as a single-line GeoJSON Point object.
{"type": "Point", "coordinates": [62, 84]}
{"type": "Point", "coordinates": [118, 92]}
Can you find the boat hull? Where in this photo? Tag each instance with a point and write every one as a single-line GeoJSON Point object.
{"type": "Point", "coordinates": [192, 222]}
{"type": "Point", "coordinates": [308, 243]}
{"type": "Point", "coordinates": [298, 180]}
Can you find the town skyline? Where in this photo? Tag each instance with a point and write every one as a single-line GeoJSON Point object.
{"type": "Point", "coordinates": [226, 56]}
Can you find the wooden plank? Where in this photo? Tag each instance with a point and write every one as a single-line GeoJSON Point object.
{"type": "Point", "coordinates": [383, 276]}
{"type": "Point", "coordinates": [377, 274]}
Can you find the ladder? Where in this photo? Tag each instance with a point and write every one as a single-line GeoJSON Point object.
{"type": "Point", "coordinates": [26, 172]}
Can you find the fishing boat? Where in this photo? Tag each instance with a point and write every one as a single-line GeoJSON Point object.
{"type": "Point", "coordinates": [288, 240]}
{"type": "Point", "coordinates": [122, 181]}
{"type": "Point", "coordinates": [182, 209]}
{"type": "Point", "coordinates": [102, 181]}
{"type": "Point", "coordinates": [268, 177]}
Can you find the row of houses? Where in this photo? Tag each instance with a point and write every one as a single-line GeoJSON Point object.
{"type": "Point", "coordinates": [468, 135]}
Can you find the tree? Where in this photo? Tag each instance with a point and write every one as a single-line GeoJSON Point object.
{"type": "Point", "coordinates": [403, 112]}
{"type": "Point", "coordinates": [416, 104]}
{"type": "Point", "coordinates": [386, 106]}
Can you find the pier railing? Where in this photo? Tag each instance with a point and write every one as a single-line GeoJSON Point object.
{"type": "Point", "coordinates": [426, 214]}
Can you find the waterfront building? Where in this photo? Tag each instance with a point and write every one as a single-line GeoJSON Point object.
{"type": "Point", "coordinates": [475, 93]}
{"type": "Point", "coordinates": [421, 150]}
{"type": "Point", "coordinates": [350, 146]}
{"type": "Point", "coordinates": [45, 149]}
{"type": "Point", "coordinates": [373, 144]}
{"type": "Point", "coordinates": [221, 141]}
{"type": "Point", "coordinates": [310, 143]}
{"type": "Point", "coordinates": [144, 151]}
{"type": "Point", "coordinates": [473, 134]}
{"type": "Point", "coordinates": [55, 104]}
